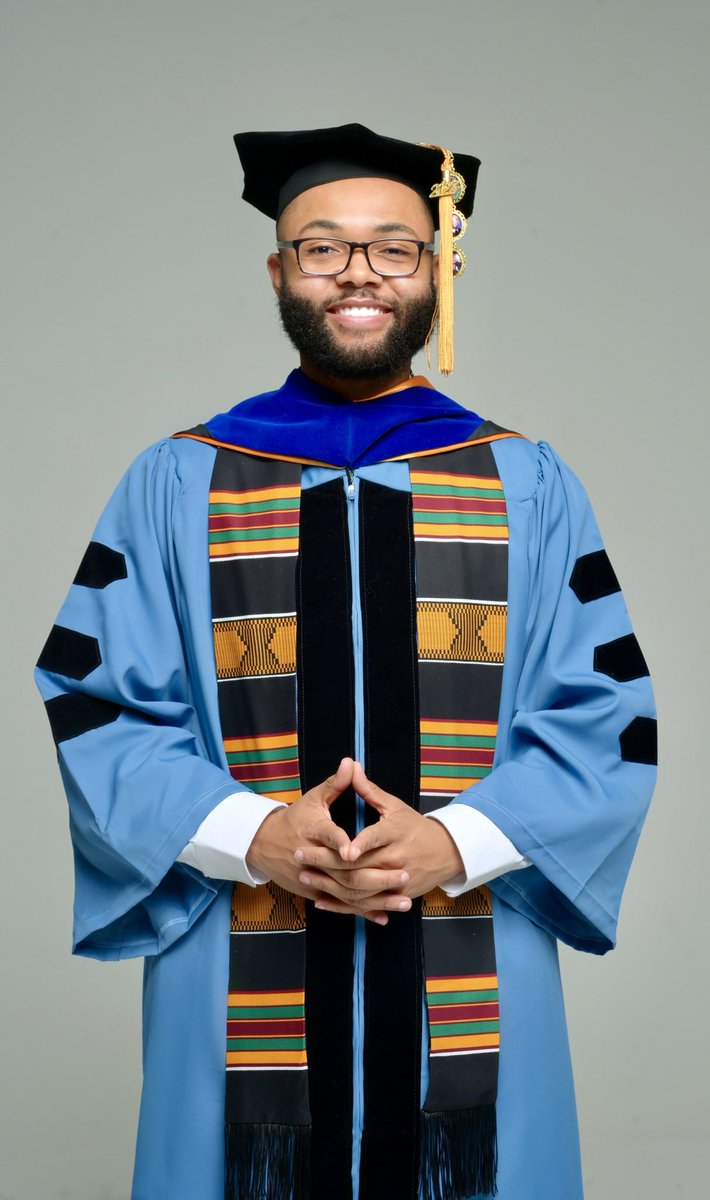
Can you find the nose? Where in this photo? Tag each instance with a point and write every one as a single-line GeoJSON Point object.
{"type": "Point", "coordinates": [358, 271]}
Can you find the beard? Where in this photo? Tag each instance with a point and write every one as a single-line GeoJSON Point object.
{"type": "Point", "coordinates": [305, 324]}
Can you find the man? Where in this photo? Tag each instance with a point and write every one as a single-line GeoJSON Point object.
{"type": "Point", "coordinates": [353, 728]}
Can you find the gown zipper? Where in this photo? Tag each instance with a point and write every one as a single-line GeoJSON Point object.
{"type": "Point", "coordinates": [352, 490]}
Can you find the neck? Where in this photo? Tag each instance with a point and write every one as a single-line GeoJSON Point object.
{"type": "Point", "coordinates": [356, 389]}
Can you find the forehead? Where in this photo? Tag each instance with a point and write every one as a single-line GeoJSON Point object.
{"type": "Point", "coordinates": [360, 205]}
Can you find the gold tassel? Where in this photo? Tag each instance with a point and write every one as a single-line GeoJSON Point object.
{"type": "Point", "coordinates": [445, 334]}
{"type": "Point", "coordinates": [450, 189]}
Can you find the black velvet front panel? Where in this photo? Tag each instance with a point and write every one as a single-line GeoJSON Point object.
{"type": "Point", "coordinates": [393, 967]}
{"type": "Point", "coordinates": [325, 735]}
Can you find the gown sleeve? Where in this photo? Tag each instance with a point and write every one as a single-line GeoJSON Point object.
{"type": "Point", "coordinates": [123, 713]}
{"type": "Point", "coordinates": [575, 770]}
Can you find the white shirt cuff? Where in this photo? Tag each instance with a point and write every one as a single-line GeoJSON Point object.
{"type": "Point", "coordinates": [485, 850]}
{"type": "Point", "coordinates": [220, 846]}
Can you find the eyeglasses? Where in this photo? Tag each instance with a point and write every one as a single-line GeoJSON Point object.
{"type": "Point", "coordinates": [331, 256]}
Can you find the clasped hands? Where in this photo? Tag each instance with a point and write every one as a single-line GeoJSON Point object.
{"type": "Point", "coordinates": [380, 871]}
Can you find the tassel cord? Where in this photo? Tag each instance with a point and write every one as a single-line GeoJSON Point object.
{"type": "Point", "coordinates": [445, 337]}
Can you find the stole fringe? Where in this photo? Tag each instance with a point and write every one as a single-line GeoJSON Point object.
{"type": "Point", "coordinates": [267, 1162]}
{"type": "Point", "coordinates": [459, 1156]}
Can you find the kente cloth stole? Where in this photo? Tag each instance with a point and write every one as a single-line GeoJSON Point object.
{"type": "Point", "coordinates": [432, 585]}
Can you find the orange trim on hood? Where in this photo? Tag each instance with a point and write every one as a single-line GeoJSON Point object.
{"type": "Point", "coordinates": [316, 462]}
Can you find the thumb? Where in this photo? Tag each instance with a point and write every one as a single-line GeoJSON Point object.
{"type": "Point", "coordinates": [383, 802]}
{"type": "Point", "coordinates": [332, 787]}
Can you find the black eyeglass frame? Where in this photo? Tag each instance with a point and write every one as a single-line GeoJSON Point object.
{"type": "Point", "coordinates": [365, 246]}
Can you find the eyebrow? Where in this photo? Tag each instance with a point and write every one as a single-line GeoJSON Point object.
{"type": "Point", "coordinates": [334, 227]}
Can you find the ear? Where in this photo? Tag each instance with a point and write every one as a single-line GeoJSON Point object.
{"type": "Point", "coordinates": [435, 270]}
{"type": "Point", "coordinates": [274, 266]}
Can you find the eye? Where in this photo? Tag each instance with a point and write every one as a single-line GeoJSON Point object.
{"type": "Point", "coordinates": [321, 249]}
{"type": "Point", "coordinates": [403, 253]}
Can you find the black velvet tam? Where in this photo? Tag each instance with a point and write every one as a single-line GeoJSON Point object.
{"type": "Point", "coordinates": [279, 166]}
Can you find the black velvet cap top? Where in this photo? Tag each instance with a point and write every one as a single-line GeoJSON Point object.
{"type": "Point", "coordinates": [279, 166]}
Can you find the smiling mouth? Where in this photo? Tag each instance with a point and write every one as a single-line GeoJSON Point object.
{"type": "Point", "coordinates": [350, 313]}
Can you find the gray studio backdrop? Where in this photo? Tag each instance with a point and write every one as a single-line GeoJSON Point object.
{"type": "Point", "coordinates": [135, 302]}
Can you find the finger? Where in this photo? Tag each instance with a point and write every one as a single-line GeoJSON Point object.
{"type": "Point", "coordinates": [378, 918]}
{"type": "Point", "coordinates": [326, 885]}
{"type": "Point", "coordinates": [332, 787]}
{"type": "Point", "coordinates": [331, 836]}
{"type": "Point", "coordinates": [383, 858]}
{"type": "Point", "coordinates": [371, 838]}
{"type": "Point", "coordinates": [378, 903]}
{"type": "Point", "coordinates": [383, 802]}
{"type": "Point", "coordinates": [369, 884]}
{"type": "Point", "coordinates": [368, 880]}
{"type": "Point", "coordinates": [322, 857]}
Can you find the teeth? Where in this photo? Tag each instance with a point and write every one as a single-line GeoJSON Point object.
{"type": "Point", "coordinates": [360, 311]}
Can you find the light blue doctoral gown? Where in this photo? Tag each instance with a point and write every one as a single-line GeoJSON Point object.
{"type": "Point", "coordinates": [140, 785]}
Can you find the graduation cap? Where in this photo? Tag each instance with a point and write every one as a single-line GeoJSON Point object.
{"type": "Point", "coordinates": [279, 166]}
